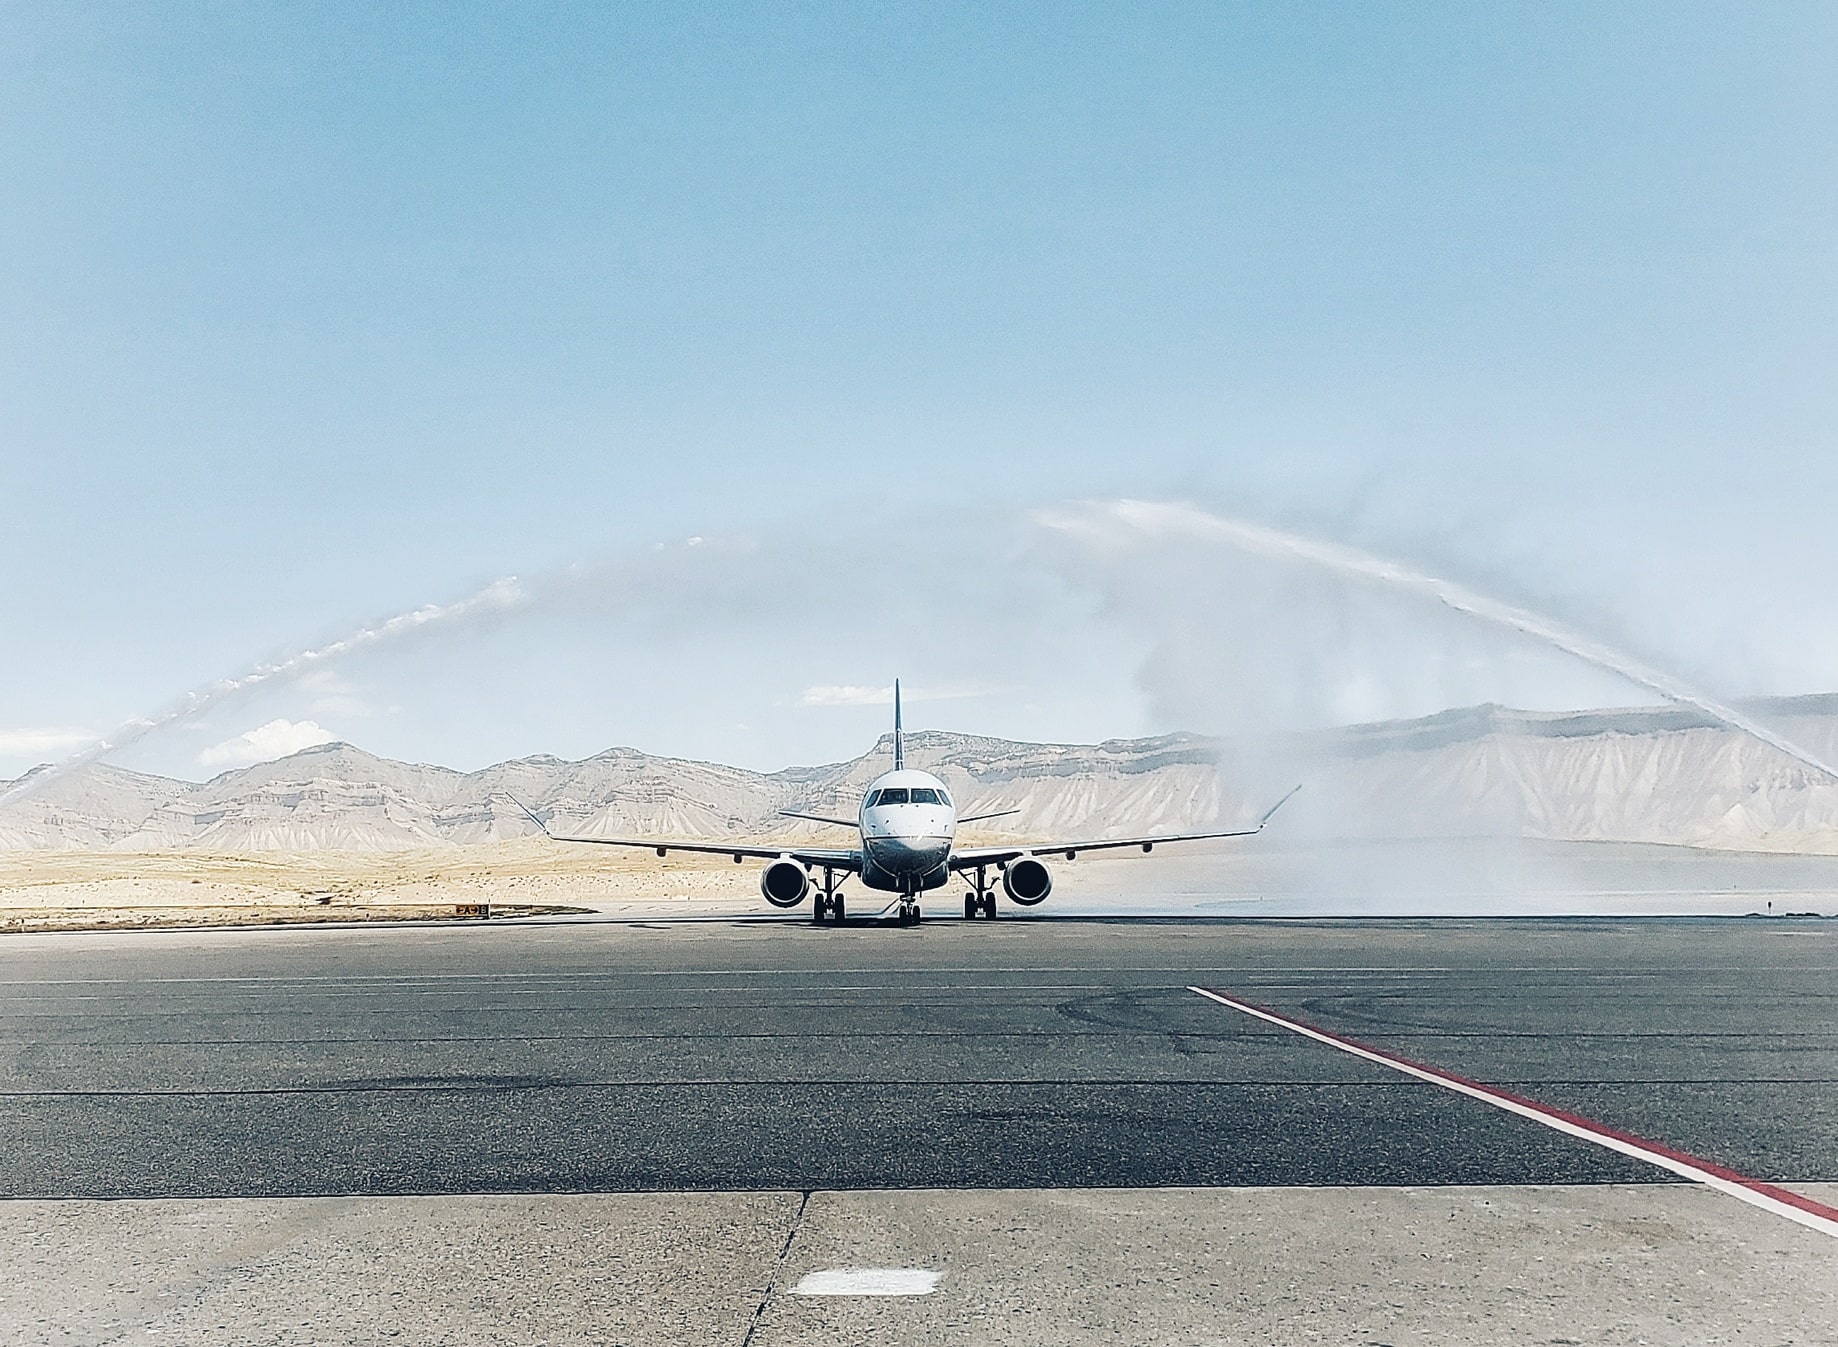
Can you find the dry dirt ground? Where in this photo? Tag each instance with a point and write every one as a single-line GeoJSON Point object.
{"type": "Point", "coordinates": [92, 890]}
{"type": "Point", "coordinates": [69, 890]}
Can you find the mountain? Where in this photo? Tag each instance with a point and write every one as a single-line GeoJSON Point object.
{"type": "Point", "coordinates": [338, 796]}
{"type": "Point", "coordinates": [1663, 774]}
{"type": "Point", "coordinates": [1658, 774]}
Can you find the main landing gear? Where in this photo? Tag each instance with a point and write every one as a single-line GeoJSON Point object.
{"type": "Point", "coordinates": [980, 901]}
{"type": "Point", "coordinates": [828, 902]}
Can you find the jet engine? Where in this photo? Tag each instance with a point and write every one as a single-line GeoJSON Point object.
{"type": "Point", "coordinates": [784, 883]}
{"type": "Point", "coordinates": [1027, 882]}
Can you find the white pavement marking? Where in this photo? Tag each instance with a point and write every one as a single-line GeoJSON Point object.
{"type": "Point", "coordinates": [1769, 1197]}
{"type": "Point", "coordinates": [868, 1281]}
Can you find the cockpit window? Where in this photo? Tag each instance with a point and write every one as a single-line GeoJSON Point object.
{"type": "Point", "coordinates": [892, 795]}
{"type": "Point", "coordinates": [925, 795]}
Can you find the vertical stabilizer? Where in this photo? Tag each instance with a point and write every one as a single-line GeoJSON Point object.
{"type": "Point", "coordinates": [899, 744]}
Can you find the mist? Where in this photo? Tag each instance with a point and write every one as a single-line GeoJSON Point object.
{"type": "Point", "coordinates": [1065, 623]}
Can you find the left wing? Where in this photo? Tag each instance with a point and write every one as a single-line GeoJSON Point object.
{"type": "Point", "coordinates": [975, 856]}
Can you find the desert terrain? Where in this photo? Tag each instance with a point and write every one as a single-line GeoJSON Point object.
{"type": "Point", "coordinates": [87, 890]}
{"type": "Point", "coordinates": [1641, 811]}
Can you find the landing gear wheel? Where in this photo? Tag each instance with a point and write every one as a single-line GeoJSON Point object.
{"type": "Point", "coordinates": [820, 909]}
{"type": "Point", "coordinates": [836, 910]}
{"type": "Point", "coordinates": [971, 907]}
{"type": "Point", "coordinates": [989, 905]}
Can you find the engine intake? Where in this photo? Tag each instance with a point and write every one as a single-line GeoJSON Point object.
{"type": "Point", "coordinates": [784, 883]}
{"type": "Point", "coordinates": [1027, 882]}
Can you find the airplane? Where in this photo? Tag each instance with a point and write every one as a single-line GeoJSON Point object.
{"type": "Point", "coordinates": [907, 825]}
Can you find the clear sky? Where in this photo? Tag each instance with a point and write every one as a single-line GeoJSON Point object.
{"type": "Point", "coordinates": [314, 314]}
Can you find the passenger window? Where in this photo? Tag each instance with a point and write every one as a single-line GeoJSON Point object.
{"type": "Point", "coordinates": [893, 795]}
{"type": "Point", "coordinates": [925, 795]}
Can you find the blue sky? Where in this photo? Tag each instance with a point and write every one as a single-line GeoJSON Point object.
{"type": "Point", "coordinates": [313, 315]}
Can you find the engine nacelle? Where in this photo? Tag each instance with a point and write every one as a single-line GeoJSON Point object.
{"type": "Point", "coordinates": [1027, 881]}
{"type": "Point", "coordinates": [784, 883]}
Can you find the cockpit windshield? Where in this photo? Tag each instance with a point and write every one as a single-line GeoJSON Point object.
{"type": "Point", "coordinates": [892, 795]}
{"type": "Point", "coordinates": [925, 795]}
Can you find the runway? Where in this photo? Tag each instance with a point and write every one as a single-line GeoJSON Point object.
{"type": "Point", "coordinates": [1010, 1054]}
{"type": "Point", "coordinates": [1018, 1059]}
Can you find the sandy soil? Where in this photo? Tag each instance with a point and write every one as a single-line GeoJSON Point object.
{"type": "Point", "coordinates": [68, 890]}
{"type": "Point", "coordinates": [53, 890]}
{"type": "Point", "coordinates": [81, 890]}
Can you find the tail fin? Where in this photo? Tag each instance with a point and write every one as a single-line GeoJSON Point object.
{"type": "Point", "coordinates": [899, 743]}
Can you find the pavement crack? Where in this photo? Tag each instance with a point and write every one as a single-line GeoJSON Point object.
{"type": "Point", "coordinates": [778, 1268]}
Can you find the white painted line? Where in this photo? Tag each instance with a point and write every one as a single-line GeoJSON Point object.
{"type": "Point", "coordinates": [868, 1281]}
{"type": "Point", "coordinates": [1757, 1193]}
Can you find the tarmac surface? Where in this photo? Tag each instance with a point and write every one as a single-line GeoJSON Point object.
{"type": "Point", "coordinates": [1081, 1148]}
{"type": "Point", "coordinates": [1008, 1054]}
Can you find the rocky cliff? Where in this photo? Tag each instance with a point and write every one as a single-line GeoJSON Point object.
{"type": "Point", "coordinates": [1654, 775]}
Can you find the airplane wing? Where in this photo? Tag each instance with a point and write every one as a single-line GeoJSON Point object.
{"type": "Point", "coordinates": [834, 858]}
{"type": "Point", "coordinates": [818, 818]}
{"type": "Point", "coordinates": [665, 848]}
{"type": "Point", "coordinates": [972, 857]}
{"type": "Point", "coordinates": [994, 813]}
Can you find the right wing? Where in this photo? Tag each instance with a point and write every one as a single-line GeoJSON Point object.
{"type": "Point", "coordinates": [833, 858]}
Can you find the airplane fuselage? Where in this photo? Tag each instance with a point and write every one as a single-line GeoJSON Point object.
{"type": "Point", "coordinates": [908, 822]}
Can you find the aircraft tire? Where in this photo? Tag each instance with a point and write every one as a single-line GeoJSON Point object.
{"type": "Point", "coordinates": [819, 909]}
{"type": "Point", "coordinates": [989, 905]}
{"type": "Point", "coordinates": [836, 909]}
{"type": "Point", "coordinates": [972, 908]}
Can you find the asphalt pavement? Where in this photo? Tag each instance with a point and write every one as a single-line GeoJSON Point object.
{"type": "Point", "coordinates": [774, 1055]}
{"type": "Point", "coordinates": [749, 1131]}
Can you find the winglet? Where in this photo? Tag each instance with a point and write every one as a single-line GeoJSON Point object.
{"type": "Point", "coordinates": [1271, 811]}
{"type": "Point", "coordinates": [899, 743]}
{"type": "Point", "coordinates": [531, 815]}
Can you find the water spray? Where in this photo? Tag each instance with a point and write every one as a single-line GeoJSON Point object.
{"type": "Point", "coordinates": [1153, 518]}
{"type": "Point", "coordinates": [499, 594]}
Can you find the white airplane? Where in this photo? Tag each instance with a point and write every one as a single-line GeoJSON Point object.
{"type": "Point", "coordinates": [907, 823]}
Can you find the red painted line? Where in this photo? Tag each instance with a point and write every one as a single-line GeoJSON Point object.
{"type": "Point", "coordinates": [1768, 1196]}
